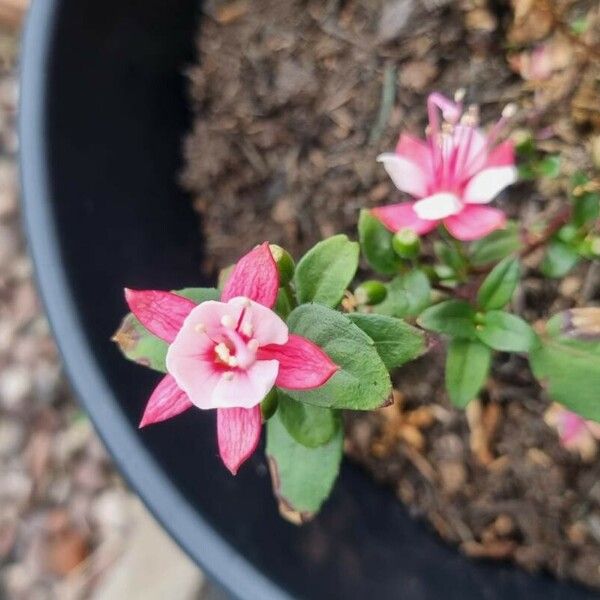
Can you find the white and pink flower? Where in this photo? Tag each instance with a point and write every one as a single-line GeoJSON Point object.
{"type": "Point", "coordinates": [228, 355]}
{"type": "Point", "coordinates": [453, 174]}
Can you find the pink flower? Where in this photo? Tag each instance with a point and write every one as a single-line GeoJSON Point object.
{"type": "Point", "coordinates": [453, 174]}
{"type": "Point", "coordinates": [574, 432]}
{"type": "Point", "coordinates": [228, 355]}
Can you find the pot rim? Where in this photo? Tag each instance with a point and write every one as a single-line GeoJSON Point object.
{"type": "Point", "coordinates": [219, 559]}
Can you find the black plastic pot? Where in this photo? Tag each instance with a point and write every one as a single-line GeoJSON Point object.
{"type": "Point", "coordinates": [103, 111]}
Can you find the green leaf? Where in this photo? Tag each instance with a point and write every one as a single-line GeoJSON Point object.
{"type": "Point", "coordinates": [549, 166]}
{"type": "Point", "coordinates": [396, 342]}
{"type": "Point", "coordinates": [363, 382]}
{"type": "Point", "coordinates": [567, 362]}
{"type": "Point", "coordinates": [407, 295]}
{"type": "Point", "coordinates": [467, 368]}
{"type": "Point", "coordinates": [455, 318]}
{"type": "Point", "coordinates": [499, 286]}
{"type": "Point", "coordinates": [586, 205]}
{"type": "Point", "coordinates": [309, 425]}
{"type": "Point", "coordinates": [302, 477]}
{"type": "Point", "coordinates": [559, 260]}
{"type": "Point", "coordinates": [495, 246]}
{"type": "Point", "coordinates": [376, 243]}
{"type": "Point", "coordinates": [139, 345]}
{"type": "Point", "coordinates": [506, 332]}
{"type": "Point", "coordinates": [283, 304]}
{"type": "Point", "coordinates": [326, 270]}
{"type": "Point", "coordinates": [199, 295]}
{"type": "Point", "coordinates": [449, 255]}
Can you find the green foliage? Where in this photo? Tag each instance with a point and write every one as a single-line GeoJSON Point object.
{"type": "Point", "coordinates": [139, 345]}
{"type": "Point", "coordinates": [560, 258]}
{"type": "Point", "coordinates": [406, 244]}
{"type": "Point", "coordinates": [567, 360]}
{"type": "Point", "coordinates": [407, 295]}
{"type": "Point", "coordinates": [326, 270]}
{"type": "Point", "coordinates": [505, 332]}
{"type": "Point", "coordinates": [309, 425]}
{"type": "Point", "coordinates": [396, 342]}
{"type": "Point", "coordinates": [370, 292]}
{"type": "Point", "coordinates": [499, 286]}
{"type": "Point", "coordinates": [285, 264]}
{"type": "Point", "coordinates": [586, 204]}
{"type": "Point", "coordinates": [302, 477]}
{"type": "Point", "coordinates": [495, 246]}
{"type": "Point", "coordinates": [376, 243]}
{"type": "Point", "coordinates": [467, 368]}
{"type": "Point", "coordinates": [363, 382]}
{"type": "Point", "coordinates": [534, 164]}
{"type": "Point", "coordinates": [268, 407]}
{"type": "Point", "coordinates": [455, 318]}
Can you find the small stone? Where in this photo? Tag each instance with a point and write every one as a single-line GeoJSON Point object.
{"type": "Point", "coordinates": [417, 75]}
{"type": "Point", "coordinates": [12, 436]}
{"type": "Point", "coordinates": [15, 385]}
{"type": "Point", "coordinates": [453, 476]}
{"type": "Point", "coordinates": [394, 19]}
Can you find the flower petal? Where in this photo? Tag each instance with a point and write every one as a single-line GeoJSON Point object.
{"type": "Point", "coordinates": [417, 151]}
{"type": "Point", "coordinates": [487, 184]}
{"type": "Point", "coordinates": [255, 276]}
{"type": "Point", "coordinates": [161, 313]}
{"type": "Point", "coordinates": [407, 175]}
{"type": "Point", "coordinates": [475, 222]}
{"type": "Point", "coordinates": [245, 389]}
{"type": "Point", "coordinates": [167, 400]}
{"type": "Point", "coordinates": [402, 216]}
{"type": "Point", "coordinates": [266, 326]}
{"type": "Point", "coordinates": [503, 155]}
{"type": "Point", "coordinates": [238, 434]}
{"type": "Point", "coordinates": [437, 206]}
{"type": "Point", "coordinates": [471, 148]}
{"type": "Point", "coordinates": [302, 364]}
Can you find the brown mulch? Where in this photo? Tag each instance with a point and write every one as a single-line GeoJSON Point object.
{"type": "Point", "coordinates": [293, 102]}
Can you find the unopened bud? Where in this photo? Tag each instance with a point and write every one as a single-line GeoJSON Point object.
{"type": "Point", "coordinates": [370, 292]}
{"type": "Point", "coordinates": [406, 244]}
{"type": "Point", "coordinates": [285, 263]}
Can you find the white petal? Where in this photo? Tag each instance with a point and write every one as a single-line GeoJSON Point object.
{"type": "Point", "coordinates": [407, 175]}
{"type": "Point", "coordinates": [487, 184]}
{"type": "Point", "coordinates": [438, 206]}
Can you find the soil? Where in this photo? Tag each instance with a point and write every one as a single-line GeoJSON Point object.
{"type": "Point", "coordinates": [293, 102]}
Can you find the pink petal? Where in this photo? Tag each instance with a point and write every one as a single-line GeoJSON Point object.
{"type": "Point", "coordinates": [408, 176]}
{"type": "Point", "coordinates": [487, 184]}
{"type": "Point", "coordinates": [475, 222]}
{"type": "Point", "coordinates": [402, 216]}
{"type": "Point", "coordinates": [266, 326]}
{"type": "Point", "coordinates": [572, 426]}
{"type": "Point", "coordinates": [416, 150]}
{"type": "Point", "coordinates": [161, 313]}
{"type": "Point", "coordinates": [238, 434]}
{"type": "Point", "coordinates": [502, 155]}
{"type": "Point", "coordinates": [255, 276]}
{"type": "Point", "coordinates": [471, 148]}
{"type": "Point", "coordinates": [302, 364]}
{"type": "Point", "coordinates": [246, 389]}
{"type": "Point", "coordinates": [166, 401]}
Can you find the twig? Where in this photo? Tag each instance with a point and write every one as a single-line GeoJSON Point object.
{"type": "Point", "coordinates": [388, 95]}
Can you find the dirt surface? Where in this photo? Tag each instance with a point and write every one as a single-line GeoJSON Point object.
{"type": "Point", "coordinates": [294, 100]}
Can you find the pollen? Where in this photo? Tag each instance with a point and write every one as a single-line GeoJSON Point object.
{"type": "Point", "coordinates": [253, 345]}
{"type": "Point", "coordinates": [222, 351]}
{"type": "Point", "coordinates": [228, 321]}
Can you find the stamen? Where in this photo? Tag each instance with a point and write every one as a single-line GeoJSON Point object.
{"type": "Point", "coordinates": [222, 351]}
{"type": "Point", "coordinates": [252, 345]}
{"type": "Point", "coordinates": [510, 110]}
{"type": "Point", "coordinates": [227, 376]}
{"type": "Point", "coordinates": [228, 321]}
{"type": "Point", "coordinates": [247, 329]}
{"type": "Point", "coordinates": [459, 95]}
{"type": "Point", "coordinates": [200, 328]}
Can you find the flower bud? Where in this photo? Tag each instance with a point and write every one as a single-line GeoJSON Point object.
{"type": "Point", "coordinates": [406, 244]}
{"type": "Point", "coordinates": [285, 263]}
{"type": "Point", "coordinates": [370, 292]}
{"type": "Point", "coordinates": [269, 405]}
{"type": "Point", "coordinates": [567, 233]}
